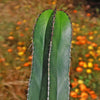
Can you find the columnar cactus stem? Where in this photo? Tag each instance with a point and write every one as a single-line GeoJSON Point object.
{"type": "Point", "coordinates": [52, 40]}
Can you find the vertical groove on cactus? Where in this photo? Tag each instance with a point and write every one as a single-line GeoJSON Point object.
{"type": "Point", "coordinates": [50, 53]}
{"type": "Point", "coordinates": [44, 84]}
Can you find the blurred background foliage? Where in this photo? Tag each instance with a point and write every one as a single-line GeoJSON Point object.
{"type": "Point", "coordinates": [17, 18]}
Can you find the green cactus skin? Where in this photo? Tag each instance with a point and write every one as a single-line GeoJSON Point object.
{"type": "Point", "coordinates": [38, 86]}
{"type": "Point", "coordinates": [54, 26]}
{"type": "Point", "coordinates": [60, 57]}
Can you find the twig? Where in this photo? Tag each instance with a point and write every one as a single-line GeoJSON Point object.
{"type": "Point", "coordinates": [15, 83]}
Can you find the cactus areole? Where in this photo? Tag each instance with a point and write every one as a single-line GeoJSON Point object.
{"type": "Point", "coordinates": [51, 57]}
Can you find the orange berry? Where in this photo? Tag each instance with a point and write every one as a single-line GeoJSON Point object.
{"type": "Point", "coordinates": [91, 92]}
{"type": "Point", "coordinates": [74, 11]}
{"type": "Point", "coordinates": [2, 60]}
{"type": "Point", "coordinates": [17, 68]}
{"type": "Point", "coordinates": [18, 23]}
{"type": "Point", "coordinates": [88, 90]}
{"type": "Point", "coordinates": [74, 84]}
{"type": "Point", "coordinates": [93, 96]}
{"type": "Point", "coordinates": [26, 29]}
{"type": "Point", "coordinates": [89, 42]}
{"type": "Point", "coordinates": [79, 69]}
{"type": "Point", "coordinates": [10, 50]}
{"type": "Point", "coordinates": [26, 64]}
{"type": "Point", "coordinates": [87, 55]}
{"type": "Point", "coordinates": [21, 34]}
{"type": "Point", "coordinates": [77, 42]}
{"type": "Point", "coordinates": [94, 44]}
{"type": "Point", "coordinates": [83, 41]}
{"type": "Point", "coordinates": [53, 2]}
{"type": "Point", "coordinates": [81, 38]}
{"type": "Point", "coordinates": [83, 87]}
{"type": "Point", "coordinates": [84, 95]}
{"type": "Point", "coordinates": [80, 58]}
{"type": "Point", "coordinates": [96, 65]}
{"type": "Point", "coordinates": [85, 65]}
{"type": "Point", "coordinates": [19, 48]}
{"type": "Point", "coordinates": [90, 33]}
{"type": "Point", "coordinates": [21, 43]}
{"type": "Point", "coordinates": [73, 94]}
{"type": "Point", "coordinates": [88, 14]}
{"type": "Point", "coordinates": [81, 63]}
{"type": "Point", "coordinates": [30, 57]}
{"type": "Point", "coordinates": [11, 38]}
{"type": "Point", "coordinates": [82, 99]}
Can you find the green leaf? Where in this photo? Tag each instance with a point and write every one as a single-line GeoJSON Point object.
{"type": "Point", "coordinates": [60, 58]}
{"type": "Point", "coordinates": [38, 86]}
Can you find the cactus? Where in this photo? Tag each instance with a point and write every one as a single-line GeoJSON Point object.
{"type": "Point", "coordinates": [52, 43]}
